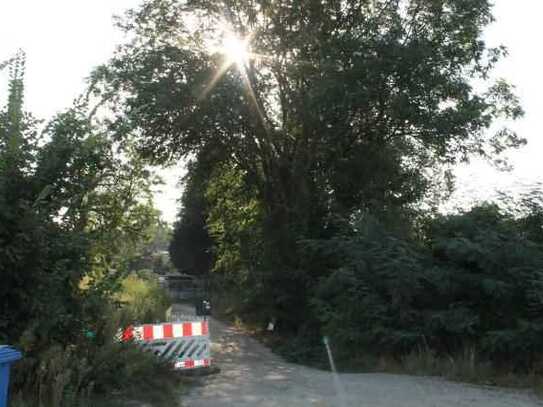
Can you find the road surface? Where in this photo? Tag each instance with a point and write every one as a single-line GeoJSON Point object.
{"type": "Point", "coordinates": [251, 375]}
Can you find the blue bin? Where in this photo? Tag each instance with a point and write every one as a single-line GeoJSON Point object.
{"type": "Point", "coordinates": [8, 355]}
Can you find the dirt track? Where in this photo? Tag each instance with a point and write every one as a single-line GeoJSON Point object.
{"type": "Point", "coordinates": [253, 376]}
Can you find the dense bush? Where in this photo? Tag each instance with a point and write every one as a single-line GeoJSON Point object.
{"type": "Point", "coordinates": [72, 215]}
{"type": "Point", "coordinates": [474, 280]}
{"type": "Point", "coordinates": [142, 299]}
{"type": "Point", "coordinates": [93, 366]}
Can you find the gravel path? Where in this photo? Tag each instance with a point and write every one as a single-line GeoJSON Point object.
{"type": "Point", "coordinates": [251, 375]}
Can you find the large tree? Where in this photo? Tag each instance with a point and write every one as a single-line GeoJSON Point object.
{"type": "Point", "coordinates": [338, 105]}
{"type": "Point", "coordinates": [191, 246]}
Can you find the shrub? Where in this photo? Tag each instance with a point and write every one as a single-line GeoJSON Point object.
{"type": "Point", "coordinates": [73, 212]}
{"type": "Point", "coordinates": [367, 303]}
{"type": "Point", "coordinates": [142, 298]}
{"type": "Point", "coordinates": [94, 367]}
{"type": "Point", "coordinates": [474, 280]}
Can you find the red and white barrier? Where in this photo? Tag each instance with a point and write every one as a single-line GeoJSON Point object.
{"type": "Point", "coordinates": [185, 344]}
{"type": "Point", "coordinates": [189, 364]}
{"type": "Point", "coordinates": [150, 332]}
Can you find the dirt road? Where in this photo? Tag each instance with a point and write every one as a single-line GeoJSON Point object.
{"type": "Point", "coordinates": [253, 376]}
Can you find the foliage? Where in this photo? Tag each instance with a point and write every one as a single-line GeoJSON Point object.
{"type": "Point", "coordinates": [73, 210]}
{"type": "Point", "coordinates": [76, 374]}
{"type": "Point", "coordinates": [344, 107]}
{"type": "Point", "coordinates": [151, 252]}
{"type": "Point", "coordinates": [311, 162]}
{"type": "Point", "coordinates": [474, 281]}
{"type": "Point", "coordinates": [234, 222]}
{"type": "Point", "coordinates": [191, 246]}
{"type": "Point", "coordinates": [142, 298]}
{"type": "Point", "coordinates": [39, 256]}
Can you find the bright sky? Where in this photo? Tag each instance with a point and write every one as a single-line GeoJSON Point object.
{"type": "Point", "coordinates": [518, 27]}
{"type": "Point", "coordinates": [64, 39]}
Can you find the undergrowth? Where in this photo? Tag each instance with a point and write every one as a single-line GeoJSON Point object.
{"type": "Point", "coordinates": [94, 368]}
{"type": "Point", "coordinates": [113, 372]}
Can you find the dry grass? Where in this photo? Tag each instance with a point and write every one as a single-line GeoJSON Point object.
{"type": "Point", "coordinates": [466, 367]}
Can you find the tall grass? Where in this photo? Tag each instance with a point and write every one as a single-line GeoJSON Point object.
{"type": "Point", "coordinates": [464, 366]}
{"type": "Point", "coordinates": [468, 366]}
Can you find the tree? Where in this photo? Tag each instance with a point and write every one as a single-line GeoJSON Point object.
{"type": "Point", "coordinates": [191, 246]}
{"type": "Point", "coordinates": [38, 257]}
{"type": "Point", "coordinates": [151, 251]}
{"type": "Point", "coordinates": [341, 107]}
{"type": "Point", "coordinates": [72, 212]}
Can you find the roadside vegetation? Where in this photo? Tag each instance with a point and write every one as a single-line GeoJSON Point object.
{"type": "Point", "coordinates": [142, 299]}
{"type": "Point", "coordinates": [320, 149]}
{"type": "Point", "coordinates": [319, 162]}
{"type": "Point", "coordinates": [75, 218]}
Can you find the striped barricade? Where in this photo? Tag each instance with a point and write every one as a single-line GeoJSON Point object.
{"type": "Point", "coordinates": [186, 344]}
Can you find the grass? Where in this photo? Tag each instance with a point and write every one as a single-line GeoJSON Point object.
{"type": "Point", "coordinates": [465, 367]}
{"type": "Point", "coordinates": [118, 376]}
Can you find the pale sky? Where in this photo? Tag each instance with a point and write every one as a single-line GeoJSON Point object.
{"type": "Point", "coordinates": [64, 39]}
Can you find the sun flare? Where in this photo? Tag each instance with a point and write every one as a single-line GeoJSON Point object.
{"type": "Point", "coordinates": [236, 49]}
{"type": "Point", "coordinates": [236, 53]}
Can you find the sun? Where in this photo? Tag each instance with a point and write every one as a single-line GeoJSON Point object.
{"type": "Point", "coordinates": [236, 52]}
{"type": "Point", "coordinates": [236, 49]}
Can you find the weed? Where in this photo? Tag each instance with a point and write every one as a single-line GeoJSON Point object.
{"type": "Point", "coordinates": [82, 372]}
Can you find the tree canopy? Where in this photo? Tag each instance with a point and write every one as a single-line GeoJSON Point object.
{"type": "Point", "coordinates": [359, 100]}
{"type": "Point", "coordinates": [336, 107]}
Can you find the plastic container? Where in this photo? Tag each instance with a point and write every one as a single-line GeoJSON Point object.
{"type": "Point", "coordinates": [8, 356]}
